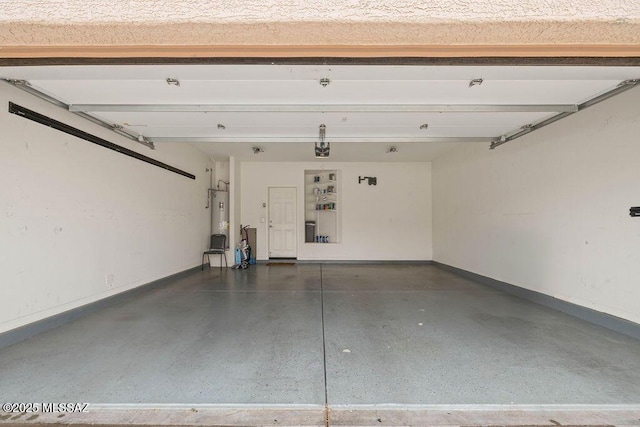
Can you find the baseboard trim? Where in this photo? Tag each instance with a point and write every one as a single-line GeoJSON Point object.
{"type": "Point", "coordinates": [346, 261]}
{"type": "Point", "coordinates": [27, 331]}
{"type": "Point", "coordinates": [599, 318]}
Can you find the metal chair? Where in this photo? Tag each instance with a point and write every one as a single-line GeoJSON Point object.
{"type": "Point", "coordinates": [217, 245]}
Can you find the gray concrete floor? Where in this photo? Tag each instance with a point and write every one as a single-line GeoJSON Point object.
{"type": "Point", "coordinates": [386, 334]}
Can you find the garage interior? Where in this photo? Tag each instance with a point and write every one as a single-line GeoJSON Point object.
{"type": "Point", "coordinates": [420, 302]}
{"type": "Point", "coordinates": [442, 233]}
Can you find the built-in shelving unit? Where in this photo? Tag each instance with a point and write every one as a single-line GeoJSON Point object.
{"type": "Point", "coordinates": [322, 206]}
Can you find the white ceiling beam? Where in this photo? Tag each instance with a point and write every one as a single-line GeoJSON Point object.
{"type": "Point", "coordinates": [318, 108]}
{"type": "Point", "coordinates": [387, 139]}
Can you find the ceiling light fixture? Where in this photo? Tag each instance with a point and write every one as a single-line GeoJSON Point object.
{"type": "Point", "coordinates": [257, 150]}
{"type": "Point", "coordinates": [173, 82]}
{"type": "Point", "coordinates": [392, 149]}
{"type": "Point", "coordinates": [324, 82]}
{"type": "Point", "coordinates": [322, 148]}
{"type": "Point", "coordinates": [476, 82]}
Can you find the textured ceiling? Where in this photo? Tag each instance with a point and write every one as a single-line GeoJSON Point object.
{"type": "Point", "coordinates": [244, 11]}
{"type": "Point", "coordinates": [258, 22]}
{"type": "Point", "coordinates": [247, 11]}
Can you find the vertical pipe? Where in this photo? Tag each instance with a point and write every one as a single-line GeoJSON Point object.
{"type": "Point", "coordinates": [210, 200]}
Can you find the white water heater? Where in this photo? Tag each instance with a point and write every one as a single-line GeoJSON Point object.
{"type": "Point", "coordinates": [220, 213]}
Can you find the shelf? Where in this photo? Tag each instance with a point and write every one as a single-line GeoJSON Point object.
{"type": "Point", "coordinates": [323, 224]}
{"type": "Point", "coordinates": [323, 183]}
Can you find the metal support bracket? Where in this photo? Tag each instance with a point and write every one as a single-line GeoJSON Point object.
{"type": "Point", "coordinates": [524, 130]}
{"type": "Point", "coordinates": [119, 129]}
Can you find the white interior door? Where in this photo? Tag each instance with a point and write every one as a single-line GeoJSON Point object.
{"type": "Point", "coordinates": [282, 222]}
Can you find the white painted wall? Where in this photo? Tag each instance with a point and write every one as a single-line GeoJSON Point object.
{"type": "Point", "coordinates": [221, 172]}
{"type": "Point", "coordinates": [72, 213]}
{"type": "Point", "coordinates": [550, 211]}
{"type": "Point", "coordinates": [389, 221]}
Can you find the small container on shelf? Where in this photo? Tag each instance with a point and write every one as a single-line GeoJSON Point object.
{"type": "Point", "coordinates": [310, 231]}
